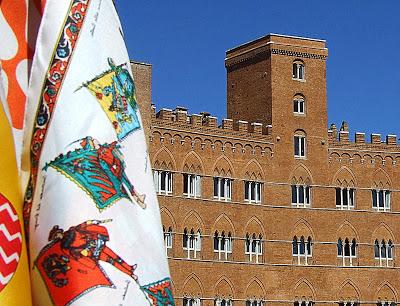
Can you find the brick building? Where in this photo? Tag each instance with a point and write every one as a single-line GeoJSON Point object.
{"type": "Point", "coordinates": [270, 207]}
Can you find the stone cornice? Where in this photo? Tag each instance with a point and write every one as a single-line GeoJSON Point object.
{"type": "Point", "coordinates": [267, 50]}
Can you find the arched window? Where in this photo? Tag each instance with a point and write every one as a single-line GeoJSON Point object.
{"type": "Point", "coordinates": [187, 301]}
{"type": "Point", "coordinates": [192, 242]}
{"type": "Point", "coordinates": [192, 185]}
{"type": "Point", "coordinates": [302, 249]}
{"type": "Point", "coordinates": [255, 303]}
{"type": "Point", "coordinates": [163, 181]}
{"type": "Point", "coordinates": [381, 199]}
{"type": "Point", "coordinates": [347, 251]}
{"type": "Point", "coordinates": [340, 247]}
{"type": "Point", "coordinates": [167, 239]}
{"type": "Point", "coordinates": [300, 144]}
{"type": "Point", "coordinates": [253, 249]}
{"type": "Point", "coordinates": [303, 303]}
{"type": "Point", "coordinates": [294, 244]}
{"type": "Point", "coordinates": [185, 238]}
{"type": "Point", "coordinates": [299, 105]}
{"type": "Point", "coordinates": [298, 70]}
{"type": "Point", "coordinates": [222, 302]}
{"type": "Point", "coordinates": [376, 248]}
{"type": "Point", "coordinates": [383, 253]}
{"type": "Point", "coordinates": [223, 245]}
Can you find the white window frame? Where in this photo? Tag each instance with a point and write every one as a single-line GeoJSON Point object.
{"type": "Point", "coordinates": [253, 192]}
{"type": "Point", "coordinates": [297, 102]}
{"type": "Point", "coordinates": [306, 195]}
{"type": "Point", "coordinates": [348, 194]}
{"type": "Point", "coordinates": [255, 302]}
{"type": "Point", "coordinates": [384, 261]}
{"type": "Point", "coordinates": [193, 244]}
{"type": "Point", "coordinates": [168, 240]}
{"type": "Point", "coordinates": [300, 145]}
{"type": "Point", "coordinates": [222, 302]}
{"type": "Point", "coordinates": [307, 255]}
{"type": "Point", "coordinates": [227, 242]}
{"type": "Point", "coordinates": [387, 303]}
{"type": "Point", "coordinates": [158, 181]}
{"type": "Point", "coordinates": [350, 258]}
{"type": "Point", "coordinates": [303, 303]}
{"type": "Point", "coordinates": [248, 249]}
{"type": "Point", "coordinates": [190, 301]}
{"type": "Point", "coordinates": [193, 184]}
{"type": "Point", "coordinates": [377, 199]}
{"type": "Point", "coordinates": [224, 189]}
{"type": "Point", "coordinates": [300, 73]}
{"type": "Point", "coordinates": [349, 303]}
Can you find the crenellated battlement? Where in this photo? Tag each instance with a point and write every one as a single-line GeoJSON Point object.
{"type": "Point", "coordinates": [180, 116]}
{"type": "Point", "coordinates": [341, 137]}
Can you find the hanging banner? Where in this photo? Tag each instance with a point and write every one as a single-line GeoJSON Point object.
{"type": "Point", "coordinates": [95, 234]}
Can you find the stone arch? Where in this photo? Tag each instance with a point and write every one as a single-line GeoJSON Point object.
{"type": "Point", "coordinates": [346, 230]}
{"type": "Point", "coordinates": [167, 218]}
{"type": "Point", "coordinates": [223, 167]}
{"type": "Point", "coordinates": [223, 223]}
{"type": "Point", "coordinates": [344, 177]}
{"type": "Point", "coordinates": [193, 286]}
{"type": "Point", "coordinates": [164, 159]}
{"type": "Point", "coordinates": [255, 289]}
{"type": "Point", "coordinates": [254, 225]}
{"type": "Point", "coordinates": [193, 163]}
{"type": "Point", "coordinates": [253, 171]}
{"type": "Point", "coordinates": [357, 158]}
{"type": "Point", "coordinates": [381, 179]}
{"type": "Point", "coordinates": [348, 292]}
{"type": "Point", "coordinates": [382, 231]}
{"type": "Point", "coordinates": [224, 288]}
{"type": "Point", "coordinates": [386, 292]}
{"type": "Point", "coordinates": [334, 157]}
{"type": "Point", "coordinates": [193, 220]}
{"type": "Point", "coordinates": [304, 290]}
{"type": "Point", "coordinates": [389, 160]}
{"type": "Point", "coordinates": [302, 228]}
{"type": "Point", "coordinates": [301, 175]}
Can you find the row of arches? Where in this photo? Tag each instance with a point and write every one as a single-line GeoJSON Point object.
{"type": "Point", "coordinates": [302, 227]}
{"type": "Point", "coordinates": [302, 290]}
{"type": "Point", "coordinates": [222, 166]}
{"type": "Point", "coordinates": [363, 159]}
{"type": "Point", "coordinates": [199, 143]}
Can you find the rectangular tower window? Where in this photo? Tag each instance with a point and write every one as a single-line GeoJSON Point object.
{"type": "Point", "coordinates": [298, 106]}
{"type": "Point", "coordinates": [299, 146]}
{"type": "Point", "coordinates": [163, 181]}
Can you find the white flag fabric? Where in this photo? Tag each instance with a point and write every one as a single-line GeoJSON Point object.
{"type": "Point", "coordinates": [95, 234]}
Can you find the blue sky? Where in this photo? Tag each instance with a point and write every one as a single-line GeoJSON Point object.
{"type": "Point", "coordinates": [186, 43]}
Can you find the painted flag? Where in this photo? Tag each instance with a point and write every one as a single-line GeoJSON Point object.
{"type": "Point", "coordinates": [95, 234]}
{"type": "Point", "coordinates": [14, 273]}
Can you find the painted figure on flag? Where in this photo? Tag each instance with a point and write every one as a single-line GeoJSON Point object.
{"type": "Point", "coordinates": [114, 89]}
{"type": "Point", "coordinates": [99, 170]}
{"type": "Point", "coordinates": [70, 263]}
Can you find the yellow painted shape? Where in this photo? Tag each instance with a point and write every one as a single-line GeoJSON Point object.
{"type": "Point", "coordinates": [17, 292]}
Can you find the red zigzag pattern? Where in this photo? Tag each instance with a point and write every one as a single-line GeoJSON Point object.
{"type": "Point", "coordinates": [10, 241]}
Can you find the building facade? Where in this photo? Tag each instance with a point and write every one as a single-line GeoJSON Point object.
{"type": "Point", "coordinates": [270, 206]}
